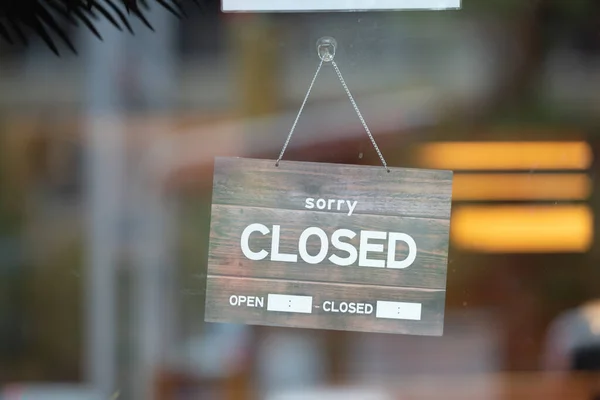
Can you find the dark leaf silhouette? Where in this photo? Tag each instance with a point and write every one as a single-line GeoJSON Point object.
{"type": "Point", "coordinates": [142, 18]}
{"type": "Point", "coordinates": [49, 20]}
{"type": "Point", "coordinates": [59, 8]}
{"type": "Point", "coordinates": [4, 33]}
{"type": "Point", "coordinates": [87, 22]}
{"type": "Point", "coordinates": [120, 14]}
{"type": "Point", "coordinates": [131, 5]}
{"type": "Point", "coordinates": [89, 10]}
{"type": "Point", "coordinates": [108, 15]}
{"type": "Point", "coordinates": [38, 17]}
{"type": "Point", "coordinates": [171, 9]}
{"type": "Point", "coordinates": [39, 28]}
{"type": "Point", "coordinates": [144, 4]}
{"type": "Point", "coordinates": [15, 27]}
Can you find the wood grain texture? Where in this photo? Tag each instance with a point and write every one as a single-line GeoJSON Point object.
{"type": "Point", "coordinates": [411, 201]}
{"type": "Point", "coordinates": [226, 257]}
{"type": "Point", "coordinates": [221, 288]}
{"type": "Point", "coordinates": [401, 192]}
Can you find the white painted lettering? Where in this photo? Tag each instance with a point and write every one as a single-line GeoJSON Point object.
{"type": "Point", "coordinates": [347, 307]}
{"type": "Point", "coordinates": [329, 203]}
{"type": "Point", "coordinates": [347, 247]}
{"type": "Point", "coordinates": [366, 247]}
{"type": "Point", "coordinates": [251, 255]}
{"type": "Point", "coordinates": [340, 242]}
{"type": "Point", "coordinates": [275, 254]}
{"type": "Point", "coordinates": [351, 206]}
{"type": "Point", "coordinates": [321, 204]}
{"type": "Point", "coordinates": [248, 301]}
{"type": "Point", "coordinates": [303, 242]}
{"type": "Point", "coordinates": [412, 251]}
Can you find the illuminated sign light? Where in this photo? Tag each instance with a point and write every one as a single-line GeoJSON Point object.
{"type": "Point", "coordinates": [521, 187]}
{"type": "Point", "coordinates": [505, 156]}
{"type": "Point", "coordinates": [523, 229]}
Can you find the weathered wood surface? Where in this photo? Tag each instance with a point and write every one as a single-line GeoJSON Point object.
{"type": "Point", "coordinates": [401, 192]}
{"type": "Point", "coordinates": [410, 201]}
{"type": "Point", "coordinates": [221, 288]}
{"type": "Point", "coordinates": [226, 257]}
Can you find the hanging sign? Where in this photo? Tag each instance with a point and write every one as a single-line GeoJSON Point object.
{"type": "Point", "coordinates": [328, 246]}
{"type": "Point", "coordinates": [336, 5]}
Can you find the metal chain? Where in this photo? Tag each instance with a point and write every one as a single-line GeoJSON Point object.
{"type": "Point", "coordinates": [329, 58]}
{"type": "Point", "coordinates": [287, 142]}
{"type": "Point", "coordinates": [362, 120]}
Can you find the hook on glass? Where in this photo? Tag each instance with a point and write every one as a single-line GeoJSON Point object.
{"type": "Point", "coordinates": [326, 48]}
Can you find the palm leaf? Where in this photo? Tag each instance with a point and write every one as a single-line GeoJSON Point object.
{"type": "Point", "coordinates": [172, 9]}
{"type": "Point", "coordinates": [140, 15]}
{"type": "Point", "coordinates": [39, 28]}
{"type": "Point", "coordinates": [39, 17]}
{"type": "Point", "coordinates": [49, 20]}
{"type": "Point", "coordinates": [15, 27]}
{"type": "Point", "coordinates": [120, 14]}
{"type": "Point", "coordinates": [87, 22]}
{"type": "Point", "coordinates": [4, 33]}
{"type": "Point", "coordinates": [144, 4]}
{"type": "Point", "coordinates": [59, 8]}
{"type": "Point", "coordinates": [107, 15]}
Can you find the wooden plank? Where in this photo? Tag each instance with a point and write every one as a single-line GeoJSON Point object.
{"type": "Point", "coordinates": [220, 309]}
{"type": "Point", "coordinates": [226, 257]}
{"type": "Point", "coordinates": [401, 192]}
{"type": "Point", "coordinates": [290, 243]}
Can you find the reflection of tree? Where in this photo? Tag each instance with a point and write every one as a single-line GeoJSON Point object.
{"type": "Point", "coordinates": [49, 18]}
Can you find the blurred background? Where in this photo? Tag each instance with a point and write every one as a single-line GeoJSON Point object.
{"type": "Point", "coordinates": [105, 189]}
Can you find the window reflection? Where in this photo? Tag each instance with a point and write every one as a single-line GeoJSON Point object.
{"type": "Point", "coordinates": [104, 222]}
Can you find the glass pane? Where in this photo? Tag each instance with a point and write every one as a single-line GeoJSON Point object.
{"type": "Point", "coordinates": [106, 187]}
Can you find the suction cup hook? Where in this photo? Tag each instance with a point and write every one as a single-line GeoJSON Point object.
{"type": "Point", "coordinates": [326, 48]}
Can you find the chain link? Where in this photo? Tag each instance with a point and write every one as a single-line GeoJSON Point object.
{"type": "Point", "coordinates": [287, 142]}
{"type": "Point", "coordinates": [362, 120]}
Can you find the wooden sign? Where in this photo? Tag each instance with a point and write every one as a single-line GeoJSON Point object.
{"type": "Point", "coordinates": [328, 246]}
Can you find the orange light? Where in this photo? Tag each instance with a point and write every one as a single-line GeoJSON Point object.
{"type": "Point", "coordinates": [521, 187]}
{"type": "Point", "coordinates": [523, 229]}
{"type": "Point", "coordinates": [506, 155]}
